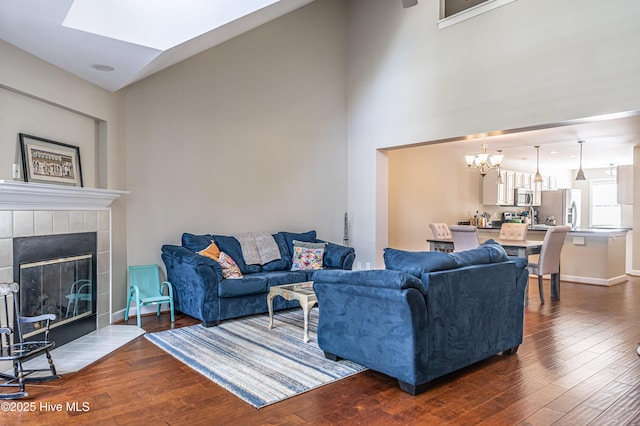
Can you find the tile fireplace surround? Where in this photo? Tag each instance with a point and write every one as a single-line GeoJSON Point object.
{"type": "Point", "coordinates": [29, 209]}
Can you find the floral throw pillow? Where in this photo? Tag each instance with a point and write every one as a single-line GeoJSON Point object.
{"type": "Point", "coordinates": [229, 267]}
{"type": "Point", "coordinates": [307, 256]}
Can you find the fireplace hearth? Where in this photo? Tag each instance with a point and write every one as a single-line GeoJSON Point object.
{"type": "Point", "coordinates": [57, 275]}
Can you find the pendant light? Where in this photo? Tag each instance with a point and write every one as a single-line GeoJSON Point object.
{"type": "Point", "coordinates": [538, 177]}
{"type": "Point", "coordinates": [499, 180]}
{"type": "Point", "coordinates": [580, 175]}
{"type": "Point", "coordinates": [612, 170]}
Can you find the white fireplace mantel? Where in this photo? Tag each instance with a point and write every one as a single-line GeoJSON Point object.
{"type": "Point", "coordinates": [16, 195]}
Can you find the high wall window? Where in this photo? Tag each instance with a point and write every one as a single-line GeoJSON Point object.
{"type": "Point", "coordinates": [451, 7]}
{"type": "Point", "coordinates": [605, 210]}
{"type": "Point", "coordinates": [454, 11]}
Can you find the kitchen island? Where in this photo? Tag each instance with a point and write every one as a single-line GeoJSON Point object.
{"type": "Point", "coordinates": [589, 255]}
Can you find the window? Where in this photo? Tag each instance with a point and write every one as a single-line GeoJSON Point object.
{"type": "Point", "coordinates": [454, 11]}
{"type": "Point", "coordinates": [451, 7]}
{"type": "Point", "coordinates": [605, 210]}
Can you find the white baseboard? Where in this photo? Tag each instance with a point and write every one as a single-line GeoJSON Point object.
{"type": "Point", "coordinates": [595, 281]}
{"type": "Point", "coordinates": [634, 273]}
{"type": "Point", "coordinates": [592, 281]}
{"type": "Point", "coordinates": [149, 309]}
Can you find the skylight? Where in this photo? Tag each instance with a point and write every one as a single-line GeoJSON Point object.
{"type": "Point", "coordinates": [157, 24]}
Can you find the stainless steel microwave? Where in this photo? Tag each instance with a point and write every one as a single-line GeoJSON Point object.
{"type": "Point", "coordinates": [522, 197]}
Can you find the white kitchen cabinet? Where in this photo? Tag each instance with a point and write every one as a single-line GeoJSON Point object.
{"type": "Point", "coordinates": [519, 180]}
{"type": "Point", "coordinates": [502, 194]}
{"type": "Point", "coordinates": [537, 193]}
{"type": "Point", "coordinates": [509, 182]}
{"type": "Point", "coordinates": [493, 194]}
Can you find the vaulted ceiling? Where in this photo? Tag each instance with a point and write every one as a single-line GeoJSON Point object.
{"type": "Point", "coordinates": [115, 43]}
{"type": "Point", "coordinates": [118, 42]}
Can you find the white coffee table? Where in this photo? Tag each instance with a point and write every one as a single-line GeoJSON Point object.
{"type": "Point", "coordinates": [302, 292]}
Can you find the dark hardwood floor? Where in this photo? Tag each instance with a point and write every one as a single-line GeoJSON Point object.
{"type": "Point", "coordinates": [577, 366]}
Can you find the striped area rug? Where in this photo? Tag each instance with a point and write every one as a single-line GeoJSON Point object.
{"type": "Point", "coordinates": [258, 365]}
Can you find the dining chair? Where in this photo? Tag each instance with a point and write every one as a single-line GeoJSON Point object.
{"type": "Point", "coordinates": [549, 260]}
{"type": "Point", "coordinates": [513, 231]}
{"type": "Point", "coordinates": [440, 231]}
{"type": "Point", "coordinates": [145, 289]}
{"type": "Point", "coordinates": [465, 237]}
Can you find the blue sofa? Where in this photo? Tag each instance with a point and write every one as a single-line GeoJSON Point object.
{"type": "Point", "coordinates": [200, 291]}
{"type": "Point", "coordinates": [427, 314]}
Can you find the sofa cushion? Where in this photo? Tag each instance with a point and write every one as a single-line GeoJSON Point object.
{"type": "Point", "coordinates": [284, 263]}
{"type": "Point", "coordinates": [417, 263]}
{"type": "Point", "coordinates": [231, 246]}
{"type": "Point", "coordinates": [196, 242]}
{"type": "Point", "coordinates": [242, 287]}
{"type": "Point", "coordinates": [307, 256]}
{"type": "Point", "coordinates": [283, 277]}
{"type": "Point", "coordinates": [309, 237]}
{"type": "Point", "coordinates": [487, 252]}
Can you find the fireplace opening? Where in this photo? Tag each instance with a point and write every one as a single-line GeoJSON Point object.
{"type": "Point", "coordinates": [58, 286]}
{"type": "Point", "coordinates": [57, 275]}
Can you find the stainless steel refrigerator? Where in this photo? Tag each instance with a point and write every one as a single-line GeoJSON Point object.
{"type": "Point", "coordinates": [563, 204]}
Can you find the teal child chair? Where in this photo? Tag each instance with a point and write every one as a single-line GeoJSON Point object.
{"type": "Point", "coordinates": [145, 289]}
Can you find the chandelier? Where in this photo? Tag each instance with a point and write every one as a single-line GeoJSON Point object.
{"type": "Point", "coordinates": [483, 161]}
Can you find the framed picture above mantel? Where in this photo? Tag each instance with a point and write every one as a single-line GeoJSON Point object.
{"type": "Point", "coordinates": [47, 161]}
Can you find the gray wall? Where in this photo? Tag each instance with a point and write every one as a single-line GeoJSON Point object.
{"type": "Point", "coordinates": [247, 136]}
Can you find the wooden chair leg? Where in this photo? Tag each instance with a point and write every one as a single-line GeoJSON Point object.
{"type": "Point", "coordinates": [555, 286]}
{"type": "Point", "coordinates": [541, 289]}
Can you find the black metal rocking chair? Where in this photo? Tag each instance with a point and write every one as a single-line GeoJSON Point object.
{"type": "Point", "coordinates": [16, 350]}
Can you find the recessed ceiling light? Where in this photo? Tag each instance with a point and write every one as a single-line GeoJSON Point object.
{"type": "Point", "coordinates": [102, 67]}
{"type": "Point", "coordinates": [554, 152]}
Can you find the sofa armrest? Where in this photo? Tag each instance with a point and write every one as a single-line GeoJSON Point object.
{"type": "Point", "coordinates": [195, 280]}
{"type": "Point", "coordinates": [377, 278]}
{"type": "Point", "coordinates": [337, 256]}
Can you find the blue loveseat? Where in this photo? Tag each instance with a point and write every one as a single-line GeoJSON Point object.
{"type": "Point", "coordinates": [200, 290]}
{"type": "Point", "coordinates": [427, 314]}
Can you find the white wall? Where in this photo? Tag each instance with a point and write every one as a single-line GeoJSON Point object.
{"type": "Point", "coordinates": [523, 64]}
{"type": "Point", "coordinates": [247, 136]}
{"type": "Point", "coordinates": [22, 114]}
{"type": "Point", "coordinates": [40, 99]}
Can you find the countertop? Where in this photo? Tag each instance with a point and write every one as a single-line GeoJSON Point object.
{"type": "Point", "coordinates": [590, 231]}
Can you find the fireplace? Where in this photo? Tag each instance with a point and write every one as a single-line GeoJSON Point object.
{"type": "Point", "coordinates": [57, 275]}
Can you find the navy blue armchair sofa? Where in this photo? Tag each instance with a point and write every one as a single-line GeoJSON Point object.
{"type": "Point", "coordinates": [200, 291]}
{"type": "Point", "coordinates": [427, 314]}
